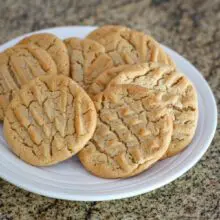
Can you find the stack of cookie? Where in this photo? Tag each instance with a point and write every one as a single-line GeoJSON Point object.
{"type": "Point", "coordinates": [115, 99]}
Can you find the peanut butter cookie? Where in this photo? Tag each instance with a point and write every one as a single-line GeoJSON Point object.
{"type": "Point", "coordinates": [127, 46]}
{"type": "Point", "coordinates": [50, 119]}
{"type": "Point", "coordinates": [133, 132]}
{"type": "Point", "coordinates": [54, 46]}
{"type": "Point", "coordinates": [177, 92]}
{"type": "Point", "coordinates": [18, 65]}
{"type": "Point", "coordinates": [87, 60]}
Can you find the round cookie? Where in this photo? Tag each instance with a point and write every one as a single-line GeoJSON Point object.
{"type": "Point", "coordinates": [54, 46]}
{"type": "Point", "coordinates": [104, 31]}
{"type": "Point", "coordinates": [133, 132]}
{"type": "Point", "coordinates": [18, 65]}
{"type": "Point", "coordinates": [50, 119]}
{"type": "Point", "coordinates": [127, 46]}
{"type": "Point", "coordinates": [87, 60]}
{"type": "Point", "coordinates": [178, 93]}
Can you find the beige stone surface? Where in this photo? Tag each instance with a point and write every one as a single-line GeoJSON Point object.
{"type": "Point", "coordinates": [192, 28]}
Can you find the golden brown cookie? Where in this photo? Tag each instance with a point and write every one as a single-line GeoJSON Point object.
{"type": "Point", "coordinates": [127, 46]}
{"type": "Point", "coordinates": [18, 65]}
{"type": "Point", "coordinates": [104, 31]}
{"type": "Point", "coordinates": [133, 132]}
{"type": "Point", "coordinates": [50, 119]}
{"type": "Point", "coordinates": [178, 93]}
{"type": "Point", "coordinates": [54, 46]}
{"type": "Point", "coordinates": [87, 60]}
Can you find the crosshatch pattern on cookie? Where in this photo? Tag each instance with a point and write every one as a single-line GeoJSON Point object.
{"type": "Point", "coordinates": [19, 65]}
{"type": "Point", "coordinates": [126, 46]}
{"type": "Point", "coordinates": [54, 46]}
{"type": "Point", "coordinates": [177, 92]}
{"type": "Point", "coordinates": [133, 132]}
{"type": "Point", "coordinates": [87, 60]}
{"type": "Point", "coordinates": [49, 120]}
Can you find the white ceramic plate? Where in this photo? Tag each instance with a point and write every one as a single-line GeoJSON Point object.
{"type": "Point", "coordinates": [69, 180]}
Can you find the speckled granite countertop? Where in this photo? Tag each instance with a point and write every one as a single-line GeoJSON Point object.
{"type": "Point", "coordinates": [191, 27]}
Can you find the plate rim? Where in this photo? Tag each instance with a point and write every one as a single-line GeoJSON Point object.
{"type": "Point", "coordinates": [135, 192]}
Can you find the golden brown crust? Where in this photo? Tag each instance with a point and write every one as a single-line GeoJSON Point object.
{"type": "Point", "coordinates": [18, 65]}
{"type": "Point", "coordinates": [54, 46]}
{"type": "Point", "coordinates": [49, 120]}
{"type": "Point", "coordinates": [133, 128]}
{"type": "Point", "coordinates": [178, 93]}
